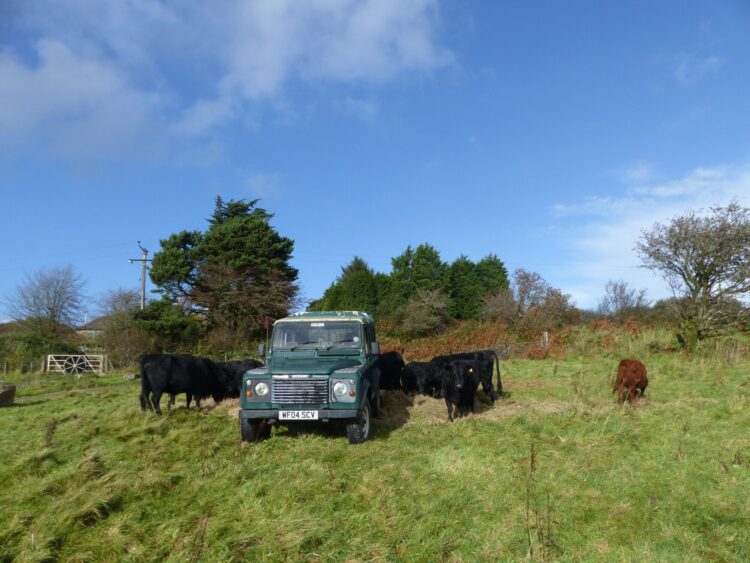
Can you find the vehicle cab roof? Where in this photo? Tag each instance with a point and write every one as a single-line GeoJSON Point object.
{"type": "Point", "coordinates": [306, 316]}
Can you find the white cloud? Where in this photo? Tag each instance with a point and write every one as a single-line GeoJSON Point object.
{"type": "Point", "coordinates": [111, 69]}
{"type": "Point", "coordinates": [637, 173]}
{"type": "Point", "coordinates": [270, 44]}
{"type": "Point", "coordinates": [701, 182]}
{"type": "Point", "coordinates": [595, 205]}
{"type": "Point", "coordinates": [264, 186]}
{"type": "Point", "coordinates": [690, 68]}
{"type": "Point", "coordinates": [203, 115]}
{"type": "Point", "coordinates": [608, 228]}
{"type": "Point", "coordinates": [366, 110]}
{"type": "Point", "coordinates": [72, 102]}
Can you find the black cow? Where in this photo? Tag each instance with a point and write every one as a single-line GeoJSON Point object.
{"type": "Point", "coordinates": [409, 377]}
{"type": "Point", "coordinates": [235, 370]}
{"type": "Point", "coordinates": [391, 368]}
{"type": "Point", "coordinates": [459, 386]}
{"type": "Point", "coordinates": [423, 378]}
{"type": "Point", "coordinates": [487, 359]}
{"type": "Point", "coordinates": [196, 377]}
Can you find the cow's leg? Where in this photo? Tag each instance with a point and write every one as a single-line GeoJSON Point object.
{"type": "Point", "coordinates": [188, 397]}
{"type": "Point", "coordinates": [145, 391]}
{"type": "Point", "coordinates": [489, 390]}
{"type": "Point", "coordinates": [155, 398]}
{"type": "Point", "coordinates": [449, 405]}
{"type": "Point", "coordinates": [197, 402]}
{"type": "Point", "coordinates": [620, 393]}
{"type": "Point", "coordinates": [633, 395]}
{"type": "Point", "coordinates": [172, 399]}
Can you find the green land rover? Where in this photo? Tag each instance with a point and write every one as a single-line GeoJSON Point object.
{"type": "Point", "coordinates": [321, 366]}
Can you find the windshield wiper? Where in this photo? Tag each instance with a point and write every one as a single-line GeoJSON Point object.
{"type": "Point", "coordinates": [337, 343]}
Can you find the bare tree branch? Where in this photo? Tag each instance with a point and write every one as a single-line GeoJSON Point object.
{"type": "Point", "coordinates": [620, 300]}
{"type": "Point", "coordinates": [48, 301]}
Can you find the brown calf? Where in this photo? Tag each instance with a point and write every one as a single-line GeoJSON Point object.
{"type": "Point", "coordinates": [631, 375]}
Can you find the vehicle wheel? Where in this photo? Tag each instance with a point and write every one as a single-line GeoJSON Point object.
{"type": "Point", "coordinates": [377, 403]}
{"type": "Point", "coordinates": [254, 430]}
{"type": "Point", "coordinates": [359, 431]}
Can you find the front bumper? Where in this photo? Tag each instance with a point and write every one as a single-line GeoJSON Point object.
{"type": "Point", "coordinates": [323, 414]}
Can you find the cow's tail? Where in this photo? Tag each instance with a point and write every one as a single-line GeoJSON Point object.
{"type": "Point", "coordinates": [499, 379]}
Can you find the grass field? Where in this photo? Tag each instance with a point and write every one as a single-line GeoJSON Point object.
{"type": "Point", "coordinates": [555, 471]}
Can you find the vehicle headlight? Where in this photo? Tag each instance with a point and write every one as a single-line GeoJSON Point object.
{"type": "Point", "coordinates": [261, 388]}
{"type": "Point", "coordinates": [339, 388]}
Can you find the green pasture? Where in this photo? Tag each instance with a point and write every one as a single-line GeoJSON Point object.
{"type": "Point", "coordinates": [555, 471]}
{"type": "Point", "coordinates": [30, 385]}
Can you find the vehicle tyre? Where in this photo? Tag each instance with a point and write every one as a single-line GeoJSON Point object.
{"type": "Point", "coordinates": [376, 403]}
{"type": "Point", "coordinates": [359, 431]}
{"type": "Point", "coordinates": [254, 430]}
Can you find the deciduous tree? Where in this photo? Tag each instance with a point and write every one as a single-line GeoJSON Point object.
{"type": "Point", "coordinates": [620, 300]}
{"type": "Point", "coordinates": [705, 259]}
{"type": "Point", "coordinates": [425, 312]}
{"type": "Point", "coordinates": [119, 300]}
{"type": "Point", "coordinates": [532, 305]}
{"type": "Point", "coordinates": [49, 302]}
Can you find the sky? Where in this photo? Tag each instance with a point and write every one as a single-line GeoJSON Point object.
{"type": "Point", "coordinates": [548, 133]}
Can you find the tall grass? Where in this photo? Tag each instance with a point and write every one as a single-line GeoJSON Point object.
{"type": "Point", "coordinates": [598, 339]}
{"type": "Point", "coordinates": [555, 471]}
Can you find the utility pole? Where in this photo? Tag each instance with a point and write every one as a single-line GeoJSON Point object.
{"type": "Point", "coordinates": [143, 260]}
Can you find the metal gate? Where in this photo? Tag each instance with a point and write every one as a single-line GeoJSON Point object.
{"type": "Point", "coordinates": [77, 364]}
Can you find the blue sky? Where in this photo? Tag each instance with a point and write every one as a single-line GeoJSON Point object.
{"type": "Point", "coordinates": [549, 133]}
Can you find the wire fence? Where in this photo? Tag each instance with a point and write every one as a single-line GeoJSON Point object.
{"type": "Point", "coordinates": [24, 365]}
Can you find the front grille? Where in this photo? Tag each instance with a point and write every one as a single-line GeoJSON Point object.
{"type": "Point", "coordinates": [299, 391]}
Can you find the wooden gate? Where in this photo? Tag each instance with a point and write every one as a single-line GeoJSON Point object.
{"type": "Point", "coordinates": [77, 364]}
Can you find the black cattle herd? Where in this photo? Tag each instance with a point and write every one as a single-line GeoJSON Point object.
{"type": "Point", "coordinates": [454, 377]}
{"type": "Point", "coordinates": [197, 377]}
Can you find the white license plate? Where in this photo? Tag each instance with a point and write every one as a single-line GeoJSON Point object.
{"type": "Point", "coordinates": [298, 415]}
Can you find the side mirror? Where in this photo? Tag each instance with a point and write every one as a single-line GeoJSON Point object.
{"type": "Point", "coordinates": [375, 348]}
{"type": "Point", "coordinates": [262, 350]}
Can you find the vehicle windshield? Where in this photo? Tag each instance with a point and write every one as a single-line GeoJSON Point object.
{"type": "Point", "coordinates": [317, 334]}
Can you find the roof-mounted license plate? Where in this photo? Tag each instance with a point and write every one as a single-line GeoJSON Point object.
{"type": "Point", "coordinates": [298, 415]}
